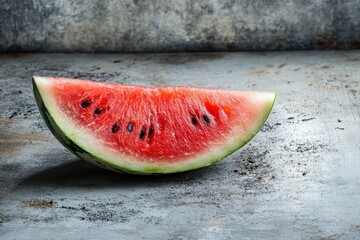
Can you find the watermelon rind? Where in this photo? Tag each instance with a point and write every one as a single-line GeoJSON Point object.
{"type": "Point", "coordinates": [76, 142]}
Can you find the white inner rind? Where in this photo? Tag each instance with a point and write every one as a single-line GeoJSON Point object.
{"type": "Point", "coordinates": [263, 102]}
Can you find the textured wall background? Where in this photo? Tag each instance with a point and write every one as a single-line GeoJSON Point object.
{"type": "Point", "coordinates": [177, 25]}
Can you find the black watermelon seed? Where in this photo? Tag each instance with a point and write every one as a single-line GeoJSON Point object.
{"type": "Point", "coordinates": [98, 111]}
{"type": "Point", "coordinates": [85, 103]}
{"type": "Point", "coordinates": [194, 120]}
{"type": "Point", "coordinates": [206, 119]}
{"type": "Point", "coordinates": [150, 135]}
{"type": "Point", "coordinates": [130, 127]}
{"type": "Point", "coordinates": [115, 128]}
{"type": "Point", "coordinates": [151, 131]}
{"type": "Point", "coordinates": [142, 133]}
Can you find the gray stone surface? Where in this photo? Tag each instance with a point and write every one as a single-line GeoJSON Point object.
{"type": "Point", "coordinates": [172, 25]}
{"type": "Point", "coordinates": [299, 178]}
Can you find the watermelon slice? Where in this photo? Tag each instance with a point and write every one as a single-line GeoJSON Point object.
{"type": "Point", "coordinates": [146, 130]}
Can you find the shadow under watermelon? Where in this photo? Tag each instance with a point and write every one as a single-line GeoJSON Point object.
{"type": "Point", "coordinates": [79, 173]}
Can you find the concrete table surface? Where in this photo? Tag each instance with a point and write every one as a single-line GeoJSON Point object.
{"type": "Point", "coordinates": [299, 178]}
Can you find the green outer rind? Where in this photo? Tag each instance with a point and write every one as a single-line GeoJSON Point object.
{"type": "Point", "coordinates": [98, 161]}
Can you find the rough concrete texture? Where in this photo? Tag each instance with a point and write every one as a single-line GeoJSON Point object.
{"type": "Point", "coordinates": [172, 25]}
{"type": "Point", "coordinates": [299, 178]}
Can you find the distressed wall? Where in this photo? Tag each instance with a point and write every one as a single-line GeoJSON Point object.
{"type": "Point", "coordinates": [177, 25]}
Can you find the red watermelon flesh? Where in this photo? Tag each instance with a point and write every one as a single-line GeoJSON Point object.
{"type": "Point", "coordinates": [150, 130]}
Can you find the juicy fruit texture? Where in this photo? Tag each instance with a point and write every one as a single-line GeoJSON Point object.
{"type": "Point", "coordinates": [149, 130]}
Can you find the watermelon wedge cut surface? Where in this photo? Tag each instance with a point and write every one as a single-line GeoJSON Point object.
{"type": "Point", "coordinates": [146, 130]}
